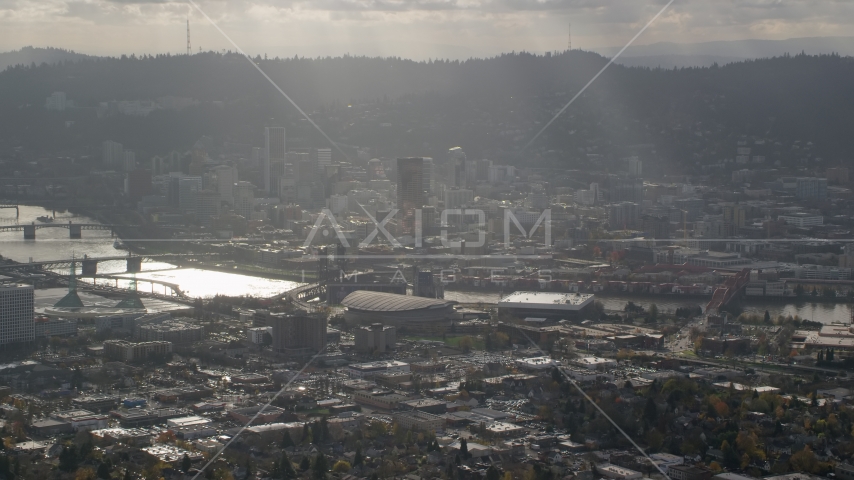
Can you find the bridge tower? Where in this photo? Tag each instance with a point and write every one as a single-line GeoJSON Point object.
{"type": "Point", "coordinates": [30, 231]}
{"type": "Point", "coordinates": [74, 231]}
{"type": "Point", "coordinates": [90, 267]}
{"type": "Point", "coordinates": [134, 264]}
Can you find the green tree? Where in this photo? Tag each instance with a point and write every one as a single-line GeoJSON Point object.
{"type": "Point", "coordinates": [186, 463]}
{"type": "Point", "coordinates": [464, 448]}
{"type": "Point", "coordinates": [104, 469]}
{"type": "Point", "coordinates": [68, 460]}
{"type": "Point", "coordinates": [653, 312]}
{"type": "Point", "coordinates": [650, 411]}
{"type": "Point", "coordinates": [341, 466]}
{"type": "Point", "coordinates": [358, 459]}
{"type": "Point", "coordinates": [320, 466]}
{"type": "Point", "coordinates": [287, 441]}
{"type": "Point", "coordinates": [287, 468]}
{"type": "Point", "coordinates": [492, 473]}
{"type": "Point", "coordinates": [305, 463]}
{"type": "Point", "coordinates": [767, 317]}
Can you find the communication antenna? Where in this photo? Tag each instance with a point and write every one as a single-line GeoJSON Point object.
{"type": "Point", "coordinates": [569, 45]}
{"type": "Point", "coordinates": [188, 35]}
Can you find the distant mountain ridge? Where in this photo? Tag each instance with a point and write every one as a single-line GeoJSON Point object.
{"type": "Point", "coordinates": [30, 55]}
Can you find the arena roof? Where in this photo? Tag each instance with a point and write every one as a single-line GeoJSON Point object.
{"type": "Point", "coordinates": [390, 302]}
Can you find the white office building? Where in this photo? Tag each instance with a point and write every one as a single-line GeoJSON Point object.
{"type": "Point", "coordinates": [274, 154]}
{"type": "Point", "coordinates": [112, 153]}
{"type": "Point", "coordinates": [56, 102]}
{"type": "Point", "coordinates": [324, 157]}
{"type": "Point", "coordinates": [226, 177]}
{"type": "Point", "coordinates": [802, 219]}
{"type": "Point", "coordinates": [244, 199]}
{"type": "Point", "coordinates": [187, 188]}
{"type": "Point", "coordinates": [16, 313]}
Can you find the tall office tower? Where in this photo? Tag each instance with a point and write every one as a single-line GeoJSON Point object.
{"type": "Point", "coordinates": [244, 199]}
{"type": "Point", "coordinates": [113, 153]}
{"type": "Point", "coordinates": [157, 166]}
{"type": "Point", "coordinates": [634, 166]}
{"type": "Point", "coordinates": [324, 158]}
{"type": "Point", "coordinates": [226, 177]}
{"type": "Point", "coordinates": [207, 206]}
{"type": "Point", "coordinates": [197, 162]}
{"type": "Point", "coordinates": [625, 190]}
{"type": "Point", "coordinates": [187, 188]}
{"type": "Point", "coordinates": [129, 163]}
{"type": "Point", "coordinates": [456, 173]}
{"type": "Point", "coordinates": [256, 156]}
{"type": "Point", "coordinates": [483, 167]}
{"type": "Point", "coordinates": [624, 215]}
{"type": "Point", "coordinates": [428, 176]}
{"type": "Point", "coordinates": [298, 334]}
{"type": "Point", "coordinates": [16, 313]}
{"type": "Point", "coordinates": [375, 169]}
{"type": "Point", "coordinates": [410, 193]}
{"type": "Point", "coordinates": [274, 154]}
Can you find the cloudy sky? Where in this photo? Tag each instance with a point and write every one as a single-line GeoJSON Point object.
{"type": "Point", "coordinates": [409, 28]}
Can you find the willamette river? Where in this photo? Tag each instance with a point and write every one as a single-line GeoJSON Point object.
{"type": "Point", "coordinates": [819, 312]}
{"type": "Point", "coordinates": [54, 244]}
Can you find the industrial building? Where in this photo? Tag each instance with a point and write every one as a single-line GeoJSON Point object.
{"type": "Point", "coordinates": [548, 305]}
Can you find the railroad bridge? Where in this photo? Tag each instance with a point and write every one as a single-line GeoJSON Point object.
{"type": "Point", "coordinates": [74, 229]}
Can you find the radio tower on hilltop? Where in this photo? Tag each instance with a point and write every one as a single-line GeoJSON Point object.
{"type": "Point", "coordinates": [569, 44]}
{"type": "Point", "coordinates": [188, 35]}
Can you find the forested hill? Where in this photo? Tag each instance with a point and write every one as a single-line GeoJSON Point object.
{"type": "Point", "coordinates": [31, 55]}
{"type": "Point", "coordinates": [796, 97]}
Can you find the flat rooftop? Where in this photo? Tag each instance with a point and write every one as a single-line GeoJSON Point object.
{"type": "Point", "coordinates": [546, 300]}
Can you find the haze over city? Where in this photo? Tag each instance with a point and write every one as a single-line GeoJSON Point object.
{"type": "Point", "coordinates": [427, 239]}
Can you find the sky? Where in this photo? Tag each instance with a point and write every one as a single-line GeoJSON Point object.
{"type": "Point", "coordinates": [417, 29]}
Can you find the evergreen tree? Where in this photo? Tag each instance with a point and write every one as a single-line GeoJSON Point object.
{"type": "Point", "coordinates": [104, 469]}
{"type": "Point", "coordinates": [186, 463]}
{"type": "Point", "coordinates": [128, 474]}
{"type": "Point", "coordinates": [287, 441]}
{"type": "Point", "coordinates": [464, 448]}
{"type": "Point", "coordinates": [320, 467]}
{"type": "Point", "coordinates": [358, 459]}
{"type": "Point", "coordinates": [650, 411]}
{"type": "Point", "coordinates": [767, 317]}
{"type": "Point", "coordinates": [492, 473]}
{"type": "Point", "coordinates": [305, 464]}
{"type": "Point", "coordinates": [68, 460]}
{"type": "Point", "coordinates": [287, 467]}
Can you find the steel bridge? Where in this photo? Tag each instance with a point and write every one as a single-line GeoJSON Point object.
{"type": "Point", "coordinates": [17, 210]}
{"type": "Point", "coordinates": [90, 264]}
{"type": "Point", "coordinates": [728, 291]}
{"type": "Point", "coordinates": [74, 229]}
{"type": "Point", "coordinates": [174, 287]}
